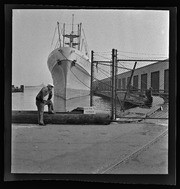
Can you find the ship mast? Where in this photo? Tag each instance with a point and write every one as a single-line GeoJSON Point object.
{"type": "Point", "coordinates": [63, 33]}
{"type": "Point", "coordinates": [71, 36]}
{"type": "Point", "coordinates": [59, 35]}
{"type": "Point", "coordinates": [72, 23]}
{"type": "Point", "coordinates": [79, 33]}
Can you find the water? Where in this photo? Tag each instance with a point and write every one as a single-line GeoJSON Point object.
{"type": "Point", "coordinates": [26, 101]}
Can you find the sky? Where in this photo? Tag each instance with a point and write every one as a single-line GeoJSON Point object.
{"type": "Point", "coordinates": [143, 32]}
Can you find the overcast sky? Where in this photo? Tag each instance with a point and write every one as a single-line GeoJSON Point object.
{"type": "Point", "coordinates": [138, 31]}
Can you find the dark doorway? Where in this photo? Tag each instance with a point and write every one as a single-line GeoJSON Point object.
{"type": "Point", "coordinates": [124, 83]}
{"type": "Point", "coordinates": [166, 81]}
{"type": "Point", "coordinates": [119, 84]}
{"type": "Point", "coordinates": [155, 81]}
{"type": "Point", "coordinates": [144, 82]}
{"type": "Point", "coordinates": [135, 82]}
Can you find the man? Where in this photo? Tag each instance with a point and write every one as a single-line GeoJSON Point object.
{"type": "Point", "coordinates": [131, 88]}
{"type": "Point", "coordinates": [149, 97]}
{"type": "Point", "coordinates": [44, 98]}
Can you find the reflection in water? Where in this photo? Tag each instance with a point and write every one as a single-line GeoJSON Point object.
{"type": "Point", "coordinates": [26, 101]}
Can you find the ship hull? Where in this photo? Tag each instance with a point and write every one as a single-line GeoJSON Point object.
{"type": "Point", "coordinates": [70, 71]}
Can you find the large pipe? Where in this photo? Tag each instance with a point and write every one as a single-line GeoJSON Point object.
{"type": "Point", "coordinates": [31, 117]}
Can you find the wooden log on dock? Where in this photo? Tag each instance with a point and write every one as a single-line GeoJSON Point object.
{"type": "Point", "coordinates": [31, 117]}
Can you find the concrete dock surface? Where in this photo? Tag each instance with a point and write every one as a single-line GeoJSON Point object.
{"type": "Point", "coordinates": [154, 160]}
{"type": "Point", "coordinates": [91, 149]}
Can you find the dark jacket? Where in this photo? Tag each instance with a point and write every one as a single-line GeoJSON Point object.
{"type": "Point", "coordinates": [42, 93]}
{"type": "Point", "coordinates": [149, 93]}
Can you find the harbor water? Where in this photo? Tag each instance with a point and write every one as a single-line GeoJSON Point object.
{"type": "Point", "coordinates": [26, 101]}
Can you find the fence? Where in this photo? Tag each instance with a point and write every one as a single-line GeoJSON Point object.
{"type": "Point", "coordinates": [130, 82]}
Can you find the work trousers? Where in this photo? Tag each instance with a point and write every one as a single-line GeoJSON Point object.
{"type": "Point", "coordinates": [40, 106]}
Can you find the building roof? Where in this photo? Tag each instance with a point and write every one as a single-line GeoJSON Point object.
{"type": "Point", "coordinates": [149, 65]}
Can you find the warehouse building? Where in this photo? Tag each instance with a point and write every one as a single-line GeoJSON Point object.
{"type": "Point", "coordinates": [155, 75]}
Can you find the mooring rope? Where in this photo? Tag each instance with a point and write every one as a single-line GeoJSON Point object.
{"type": "Point", "coordinates": [73, 72]}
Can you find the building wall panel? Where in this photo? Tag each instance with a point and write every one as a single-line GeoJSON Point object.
{"type": "Point", "coordinates": [155, 81]}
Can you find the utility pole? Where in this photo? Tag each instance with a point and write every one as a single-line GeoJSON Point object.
{"type": "Point", "coordinates": [115, 82]}
{"type": "Point", "coordinates": [112, 85]}
{"type": "Point", "coordinates": [92, 76]}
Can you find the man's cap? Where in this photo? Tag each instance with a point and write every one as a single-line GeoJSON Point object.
{"type": "Point", "coordinates": [50, 84]}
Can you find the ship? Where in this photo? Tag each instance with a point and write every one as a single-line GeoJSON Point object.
{"type": "Point", "coordinates": [70, 66]}
{"type": "Point", "coordinates": [18, 89]}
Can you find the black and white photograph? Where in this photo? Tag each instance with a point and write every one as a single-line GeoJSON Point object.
{"type": "Point", "coordinates": [90, 91]}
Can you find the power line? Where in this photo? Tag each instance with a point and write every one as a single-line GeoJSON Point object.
{"type": "Point", "coordinates": [121, 64]}
{"type": "Point", "coordinates": [125, 56]}
{"type": "Point", "coordinates": [138, 53]}
{"type": "Point", "coordinates": [104, 57]}
{"type": "Point", "coordinates": [78, 78]}
{"type": "Point", "coordinates": [138, 60]}
{"type": "Point", "coordinates": [103, 72]}
{"type": "Point", "coordinates": [99, 81]}
{"type": "Point", "coordinates": [115, 66]}
{"type": "Point", "coordinates": [82, 57]}
{"type": "Point", "coordinates": [102, 52]}
{"type": "Point", "coordinates": [74, 73]}
{"type": "Point", "coordinates": [86, 74]}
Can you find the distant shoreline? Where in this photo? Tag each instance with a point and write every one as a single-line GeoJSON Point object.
{"type": "Point", "coordinates": [37, 86]}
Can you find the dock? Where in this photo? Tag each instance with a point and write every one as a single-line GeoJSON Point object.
{"type": "Point", "coordinates": [68, 145]}
{"type": "Point", "coordinates": [95, 149]}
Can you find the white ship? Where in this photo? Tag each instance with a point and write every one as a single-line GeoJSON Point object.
{"type": "Point", "coordinates": [69, 65]}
